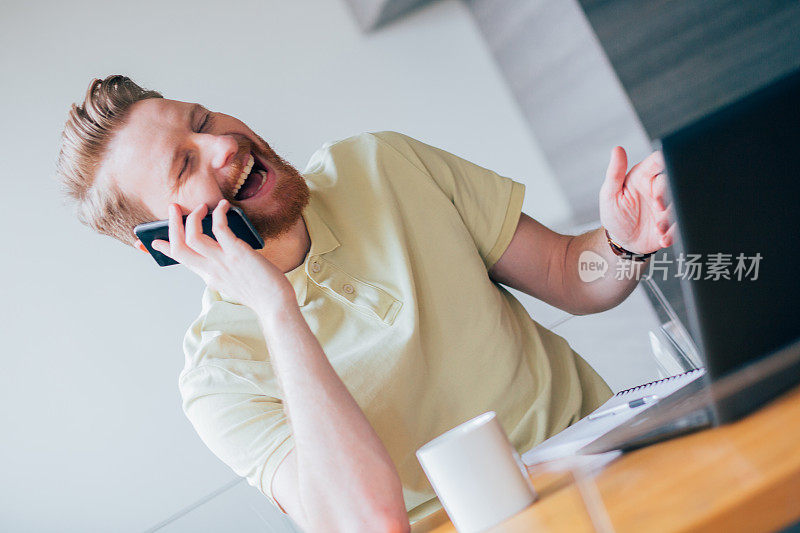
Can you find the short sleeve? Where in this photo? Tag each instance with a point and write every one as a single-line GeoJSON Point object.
{"type": "Point", "coordinates": [246, 430]}
{"type": "Point", "coordinates": [229, 395]}
{"type": "Point", "coordinates": [489, 204]}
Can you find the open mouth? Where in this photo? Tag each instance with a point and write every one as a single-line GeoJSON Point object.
{"type": "Point", "coordinates": [251, 180]}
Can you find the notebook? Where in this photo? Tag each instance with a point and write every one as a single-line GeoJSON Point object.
{"type": "Point", "coordinates": [568, 441]}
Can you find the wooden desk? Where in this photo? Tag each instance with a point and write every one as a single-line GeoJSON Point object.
{"type": "Point", "coordinates": [743, 476]}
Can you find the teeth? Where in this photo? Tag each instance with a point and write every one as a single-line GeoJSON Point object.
{"type": "Point", "coordinates": [243, 176]}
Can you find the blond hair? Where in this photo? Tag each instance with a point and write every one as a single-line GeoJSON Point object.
{"type": "Point", "coordinates": [84, 143]}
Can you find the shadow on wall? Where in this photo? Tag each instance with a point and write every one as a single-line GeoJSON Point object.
{"type": "Point", "coordinates": [371, 14]}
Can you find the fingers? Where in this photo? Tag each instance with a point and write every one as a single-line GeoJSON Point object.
{"type": "Point", "coordinates": [161, 246]}
{"type": "Point", "coordinates": [617, 167]}
{"type": "Point", "coordinates": [664, 224]}
{"type": "Point", "coordinates": [658, 190]}
{"type": "Point", "coordinates": [648, 175]}
{"type": "Point", "coordinates": [195, 237]}
{"type": "Point", "coordinates": [191, 247]}
{"type": "Point", "coordinates": [667, 215]}
{"type": "Point", "coordinates": [650, 165]}
{"type": "Point", "coordinates": [222, 232]}
{"type": "Point", "coordinates": [176, 248]}
{"type": "Point", "coordinates": [179, 250]}
{"type": "Point", "coordinates": [654, 163]}
{"type": "Point", "coordinates": [669, 236]}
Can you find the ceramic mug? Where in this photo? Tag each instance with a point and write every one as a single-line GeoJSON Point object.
{"type": "Point", "coordinates": [477, 474]}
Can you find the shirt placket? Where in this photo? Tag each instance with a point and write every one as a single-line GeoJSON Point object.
{"type": "Point", "coordinates": [365, 297]}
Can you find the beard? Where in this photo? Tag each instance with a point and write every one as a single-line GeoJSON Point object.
{"type": "Point", "coordinates": [279, 210]}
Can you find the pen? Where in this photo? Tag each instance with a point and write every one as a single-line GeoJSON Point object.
{"type": "Point", "coordinates": [624, 407]}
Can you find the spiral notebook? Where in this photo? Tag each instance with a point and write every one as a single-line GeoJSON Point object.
{"type": "Point", "coordinates": [584, 431]}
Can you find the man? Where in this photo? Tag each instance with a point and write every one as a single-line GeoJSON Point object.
{"type": "Point", "coordinates": [373, 319]}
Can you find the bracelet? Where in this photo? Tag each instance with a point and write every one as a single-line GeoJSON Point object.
{"type": "Point", "coordinates": [625, 254]}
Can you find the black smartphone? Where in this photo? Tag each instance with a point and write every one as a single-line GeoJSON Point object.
{"type": "Point", "coordinates": [237, 221]}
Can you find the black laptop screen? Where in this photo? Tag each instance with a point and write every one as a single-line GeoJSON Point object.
{"type": "Point", "coordinates": [735, 181]}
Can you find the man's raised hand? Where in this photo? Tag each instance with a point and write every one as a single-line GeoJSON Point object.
{"type": "Point", "coordinates": [633, 205]}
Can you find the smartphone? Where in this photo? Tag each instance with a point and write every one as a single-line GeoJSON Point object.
{"type": "Point", "coordinates": [237, 221]}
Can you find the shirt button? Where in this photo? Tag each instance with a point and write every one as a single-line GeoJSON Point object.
{"type": "Point", "coordinates": [315, 267]}
{"type": "Point", "coordinates": [348, 288]}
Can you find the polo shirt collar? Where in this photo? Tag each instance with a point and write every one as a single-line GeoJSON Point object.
{"type": "Point", "coordinates": [322, 241]}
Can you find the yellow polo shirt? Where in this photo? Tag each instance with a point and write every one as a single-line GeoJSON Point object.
{"type": "Point", "coordinates": [395, 287]}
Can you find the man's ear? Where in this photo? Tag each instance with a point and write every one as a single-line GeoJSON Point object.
{"type": "Point", "coordinates": [140, 246]}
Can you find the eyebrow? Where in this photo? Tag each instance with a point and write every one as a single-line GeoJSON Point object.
{"type": "Point", "coordinates": [177, 155]}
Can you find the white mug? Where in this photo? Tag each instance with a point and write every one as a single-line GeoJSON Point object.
{"type": "Point", "coordinates": [476, 473]}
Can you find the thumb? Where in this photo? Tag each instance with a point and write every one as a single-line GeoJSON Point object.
{"type": "Point", "coordinates": [615, 173]}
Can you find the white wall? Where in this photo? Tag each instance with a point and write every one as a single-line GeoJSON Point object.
{"type": "Point", "coordinates": [93, 437]}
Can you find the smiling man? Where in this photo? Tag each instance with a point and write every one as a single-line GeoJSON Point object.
{"type": "Point", "coordinates": [374, 318]}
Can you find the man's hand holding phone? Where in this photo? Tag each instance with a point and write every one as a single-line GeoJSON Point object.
{"type": "Point", "coordinates": [229, 264]}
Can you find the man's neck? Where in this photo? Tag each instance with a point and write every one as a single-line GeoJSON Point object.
{"type": "Point", "coordinates": [289, 251]}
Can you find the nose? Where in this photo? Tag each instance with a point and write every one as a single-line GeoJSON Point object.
{"type": "Point", "coordinates": [221, 149]}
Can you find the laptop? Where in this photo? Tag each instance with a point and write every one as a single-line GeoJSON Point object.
{"type": "Point", "coordinates": [734, 179]}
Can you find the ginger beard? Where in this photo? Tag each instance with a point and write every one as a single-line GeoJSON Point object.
{"type": "Point", "coordinates": [274, 213]}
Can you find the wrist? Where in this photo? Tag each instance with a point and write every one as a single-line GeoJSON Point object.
{"type": "Point", "coordinates": [620, 251]}
{"type": "Point", "coordinates": [276, 311]}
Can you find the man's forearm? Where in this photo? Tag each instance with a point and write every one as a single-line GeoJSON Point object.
{"type": "Point", "coordinates": [608, 290]}
{"type": "Point", "coordinates": [345, 474]}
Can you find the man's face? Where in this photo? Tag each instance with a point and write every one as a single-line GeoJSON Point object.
{"type": "Point", "coordinates": [177, 152]}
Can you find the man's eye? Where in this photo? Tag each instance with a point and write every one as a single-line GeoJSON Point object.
{"type": "Point", "coordinates": [205, 123]}
{"type": "Point", "coordinates": [183, 168]}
